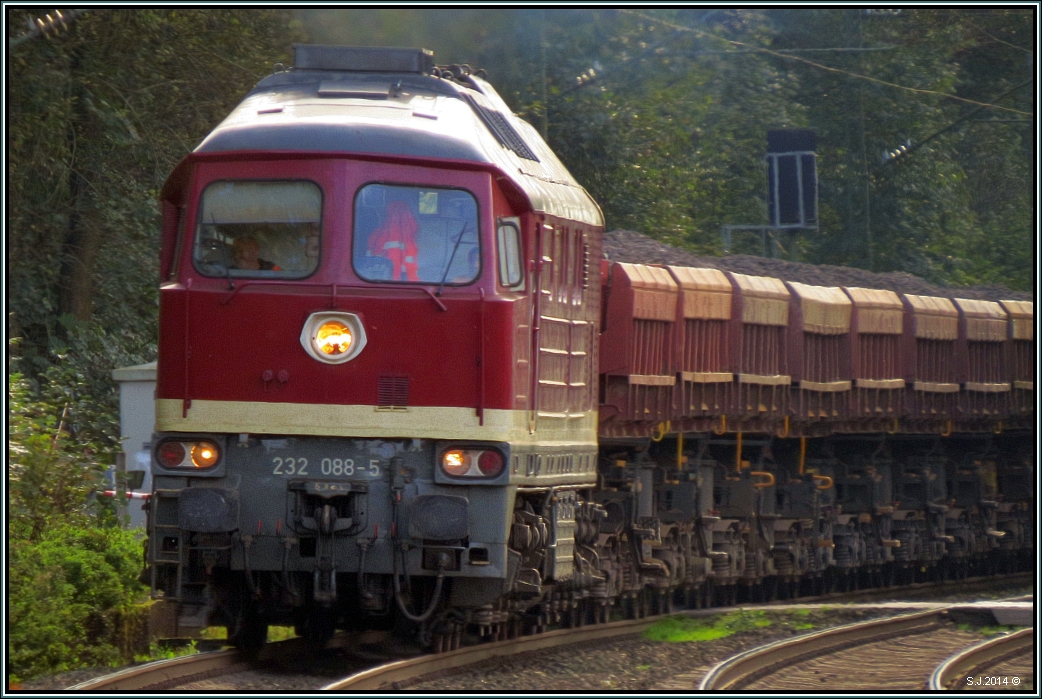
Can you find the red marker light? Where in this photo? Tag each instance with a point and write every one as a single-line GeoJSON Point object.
{"type": "Point", "coordinates": [170, 454]}
{"type": "Point", "coordinates": [490, 463]}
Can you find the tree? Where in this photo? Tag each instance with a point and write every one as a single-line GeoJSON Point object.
{"type": "Point", "coordinates": [97, 119]}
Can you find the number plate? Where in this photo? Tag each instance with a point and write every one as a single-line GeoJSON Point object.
{"type": "Point", "coordinates": [325, 489]}
{"type": "Point", "coordinates": [326, 467]}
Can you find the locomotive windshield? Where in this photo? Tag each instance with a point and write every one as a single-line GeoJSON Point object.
{"type": "Point", "coordinates": [259, 229]}
{"type": "Point", "coordinates": [416, 234]}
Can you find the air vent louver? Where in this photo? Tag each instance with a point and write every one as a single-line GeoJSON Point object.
{"type": "Point", "coordinates": [392, 392]}
{"type": "Point", "coordinates": [502, 130]}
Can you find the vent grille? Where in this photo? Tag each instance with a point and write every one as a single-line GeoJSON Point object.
{"type": "Point", "coordinates": [503, 131]}
{"type": "Point", "coordinates": [392, 392]}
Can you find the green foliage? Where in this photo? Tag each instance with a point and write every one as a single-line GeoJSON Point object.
{"type": "Point", "coordinates": [157, 651]}
{"type": "Point", "coordinates": [97, 119]}
{"type": "Point", "coordinates": [56, 443]}
{"type": "Point", "coordinates": [71, 598]}
{"type": "Point", "coordinates": [662, 115]}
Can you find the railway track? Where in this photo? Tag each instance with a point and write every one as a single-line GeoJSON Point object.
{"type": "Point", "coordinates": [882, 654]}
{"type": "Point", "coordinates": [214, 665]}
{"type": "Point", "coordinates": [411, 671]}
{"type": "Point", "coordinates": [178, 672]}
{"type": "Point", "coordinates": [1001, 663]}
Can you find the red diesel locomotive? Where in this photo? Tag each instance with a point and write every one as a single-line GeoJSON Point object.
{"type": "Point", "coordinates": [399, 387]}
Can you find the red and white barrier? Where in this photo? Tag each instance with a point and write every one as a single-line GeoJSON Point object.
{"type": "Point", "coordinates": [130, 495]}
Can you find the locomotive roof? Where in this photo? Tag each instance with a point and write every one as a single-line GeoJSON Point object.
{"type": "Point", "coordinates": [403, 112]}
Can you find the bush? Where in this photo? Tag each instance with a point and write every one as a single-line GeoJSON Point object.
{"type": "Point", "coordinates": [52, 471]}
{"type": "Point", "coordinates": [72, 571]}
{"type": "Point", "coordinates": [72, 598]}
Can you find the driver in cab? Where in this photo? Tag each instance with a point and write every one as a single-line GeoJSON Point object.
{"type": "Point", "coordinates": [395, 240]}
{"type": "Point", "coordinates": [246, 255]}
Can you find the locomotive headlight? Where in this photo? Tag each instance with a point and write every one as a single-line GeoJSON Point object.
{"type": "Point", "coordinates": [333, 337]}
{"type": "Point", "coordinates": [204, 455]}
{"type": "Point", "coordinates": [456, 462]}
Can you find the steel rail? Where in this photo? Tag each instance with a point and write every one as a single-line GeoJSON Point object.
{"type": "Point", "coordinates": [403, 670]}
{"type": "Point", "coordinates": [162, 671]}
{"type": "Point", "coordinates": [744, 667]}
{"type": "Point", "coordinates": [186, 667]}
{"type": "Point", "coordinates": [981, 655]}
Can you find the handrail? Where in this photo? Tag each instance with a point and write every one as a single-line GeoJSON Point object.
{"type": "Point", "coordinates": [827, 485]}
{"type": "Point", "coordinates": [738, 453]}
{"type": "Point", "coordinates": [663, 430]}
{"type": "Point", "coordinates": [280, 282]}
{"type": "Point", "coordinates": [761, 474]}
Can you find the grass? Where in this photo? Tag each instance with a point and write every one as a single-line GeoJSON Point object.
{"type": "Point", "coordinates": [275, 633]}
{"type": "Point", "coordinates": [681, 629]}
{"type": "Point", "coordinates": [280, 633]}
{"type": "Point", "coordinates": [684, 629]}
{"type": "Point", "coordinates": [990, 630]}
{"type": "Point", "coordinates": [161, 652]}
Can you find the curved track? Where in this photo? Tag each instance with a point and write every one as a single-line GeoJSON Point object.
{"type": "Point", "coordinates": [409, 671]}
{"type": "Point", "coordinates": [167, 674]}
{"type": "Point", "coordinates": [414, 668]}
{"type": "Point", "coordinates": [883, 654]}
{"type": "Point", "coordinates": [1001, 659]}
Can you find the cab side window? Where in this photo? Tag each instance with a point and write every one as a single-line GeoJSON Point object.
{"type": "Point", "coordinates": [508, 245]}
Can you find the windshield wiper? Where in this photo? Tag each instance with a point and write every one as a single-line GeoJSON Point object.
{"type": "Point", "coordinates": [227, 274]}
{"type": "Point", "coordinates": [451, 258]}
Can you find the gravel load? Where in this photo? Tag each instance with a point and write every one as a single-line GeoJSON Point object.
{"type": "Point", "coordinates": [634, 247]}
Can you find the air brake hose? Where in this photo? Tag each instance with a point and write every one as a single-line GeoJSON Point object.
{"type": "Point", "coordinates": [435, 598]}
{"type": "Point", "coordinates": [398, 552]}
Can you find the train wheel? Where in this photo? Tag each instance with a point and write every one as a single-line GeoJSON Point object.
{"type": "Point", "coordinates": [771, 589]}
{"type": "Point", "coordinates": [252, 633]}
{"type": "Point", "coordinates": [318, 626]}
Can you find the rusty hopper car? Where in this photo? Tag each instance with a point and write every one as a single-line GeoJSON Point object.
{"type": "Point", "coordinates": [398, 387]}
